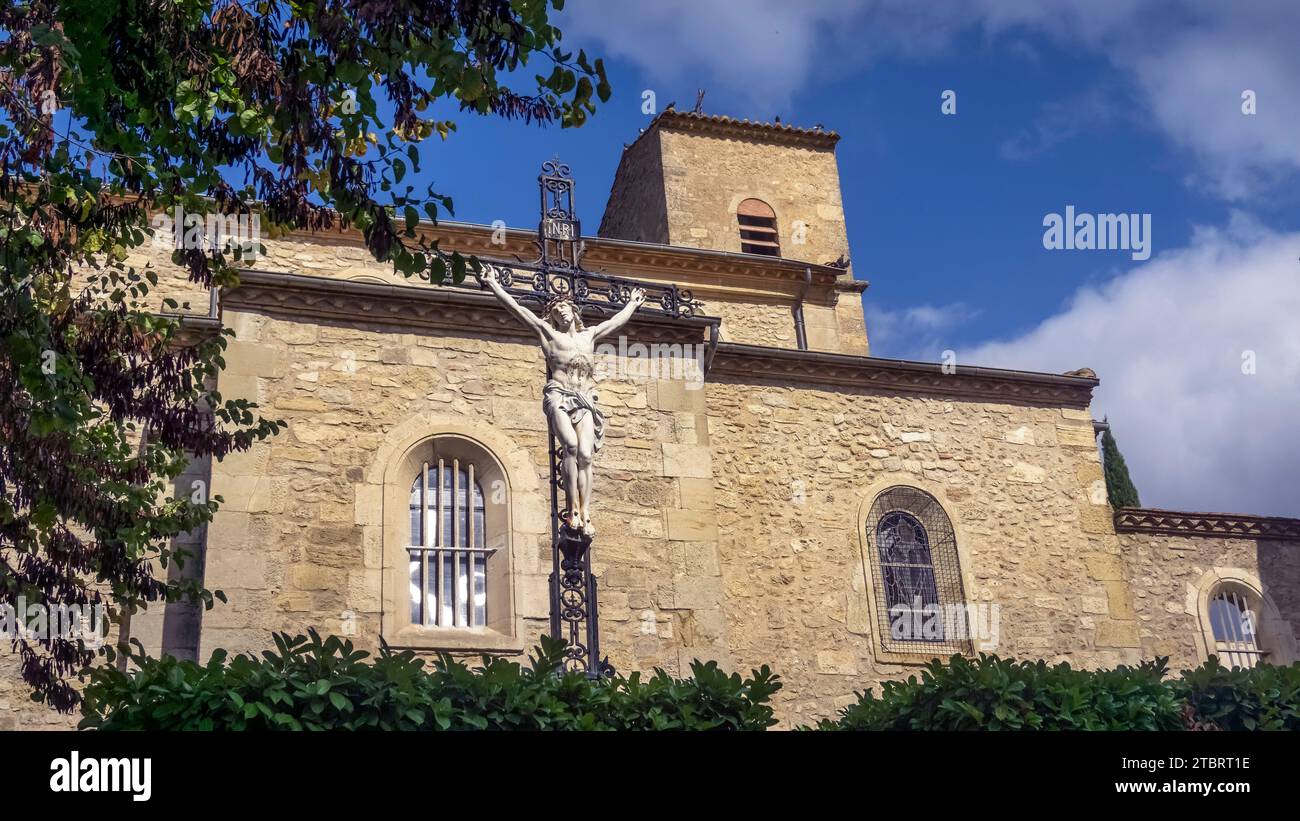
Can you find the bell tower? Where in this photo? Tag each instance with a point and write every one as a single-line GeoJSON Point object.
{"type": "Point", "coordinates": [703, 181]}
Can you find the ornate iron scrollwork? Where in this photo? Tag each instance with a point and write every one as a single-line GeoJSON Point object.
{"type": "Point", "coordinates": [574, 611]}
{"type": "Point", "coordinates": [558, 267]}
{"type": "Point", "coordinates": [590, 289]}
{"type": "Point", "coordinates": [559, 233]}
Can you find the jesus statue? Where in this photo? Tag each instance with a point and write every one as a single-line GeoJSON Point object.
{"type": "Point", "coordinates": [569, 398]}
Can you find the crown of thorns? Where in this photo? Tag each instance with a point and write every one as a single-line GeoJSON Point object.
{"type": "Point", "coordinates": [561, 299]}
{"type": "Point", "coordinates": [557, 300]}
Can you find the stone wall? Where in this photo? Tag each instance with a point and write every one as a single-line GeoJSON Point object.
{"type": "Point", "coordinates": [707, 177]}
{"type": "Point", "coordinates": [17, 710]}
{"type": "Point", "coordinates": [640, 213]}
{"type": "Point", "coordinates": [1169, 574]}
{"type": "Point", "coordinates": [755, 323]}
{"type": "Point", "coordinates": [834, 320]}
{"type": "Point", "coordinates": [795, 470]}
{"type": "Point", "coordinates": [731, 517]}
{"type": "Point", "coordinates": [298, 541]}
{"type": "Point", "coordinates": [703, 550]}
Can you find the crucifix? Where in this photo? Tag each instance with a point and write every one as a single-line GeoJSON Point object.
{"type": "Point", "coordinates": [574, 420]}
{"type": "Point", "coordinates": [569, 398]}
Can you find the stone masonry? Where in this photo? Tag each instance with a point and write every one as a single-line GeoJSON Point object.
{"type": "Point", "coordinates": [731, 510]}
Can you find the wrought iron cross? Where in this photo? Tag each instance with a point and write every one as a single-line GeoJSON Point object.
{"type": "Point", "coordinates": [559, 234]}
{"type": "Point", "coordinates": [558, 271]}
{"type": "Point", "coordinates": [558, 268]}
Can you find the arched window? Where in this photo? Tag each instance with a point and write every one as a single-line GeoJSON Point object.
{"type": "Point", "coordinates": [920, 603]}
{"type": "Point", "coordinates": [1238, 621]}
{"type": "Point", "coordinates": [758, 228]}
{"type": "Point", "coordinates": [448, 550]}
{"type": "Point", "coordinates": [445, 537]}
{"type": "Point", "coordinates": [1234, 621]}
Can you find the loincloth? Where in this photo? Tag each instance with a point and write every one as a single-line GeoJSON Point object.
{"type": "Point", "coordinates": [576, 405]}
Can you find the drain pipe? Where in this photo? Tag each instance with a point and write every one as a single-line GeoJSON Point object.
{"type": "Point", "coordinates": [800, 332]}
{"type": "Point", "coordinates": [713, 348]}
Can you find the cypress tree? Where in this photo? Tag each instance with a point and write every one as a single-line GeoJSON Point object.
{"type": "Point", "coordinates": [1119, 487]}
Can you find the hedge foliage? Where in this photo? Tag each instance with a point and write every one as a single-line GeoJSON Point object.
{"type": "Point", "coordinates": [1259, 698]}
{"type": "Point", "coordinates": [314, 684]}
{"type": "Point", "coordinates": [991, 693]}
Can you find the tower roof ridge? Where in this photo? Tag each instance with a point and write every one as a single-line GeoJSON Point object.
{"type": "Point", "coordinates": [724, 126]}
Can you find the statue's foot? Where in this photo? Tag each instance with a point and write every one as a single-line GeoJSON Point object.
{"type": "Point", "coordinates": [574, 522]}
{"type": "Point", "coordinates": [588, 529]}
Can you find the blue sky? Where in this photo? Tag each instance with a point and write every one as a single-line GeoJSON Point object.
{"type": "Point", "coordinates": [1108, 105]}
{"type": "Point", "coordinates": [944, 211]}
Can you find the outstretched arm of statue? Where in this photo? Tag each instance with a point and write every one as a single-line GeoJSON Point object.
{"type": "Point", "coordinates": [526, 316]}
{"type": "Point", "coordinates": [635, 300]}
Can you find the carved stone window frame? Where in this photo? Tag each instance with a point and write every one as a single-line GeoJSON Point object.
{"type": "Point", "coordinates": [867, 586]}
{"type": "Point", "coordinates": [1274, 635]}
{"type": "Point", "coordinates": [520, 520]}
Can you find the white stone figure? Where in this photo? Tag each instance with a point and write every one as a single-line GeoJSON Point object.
{"type": "Point", "coordinates": [569, 398]}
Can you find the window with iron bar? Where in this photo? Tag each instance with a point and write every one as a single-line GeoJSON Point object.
{"type": "Point", "coordinates": [448, 552]}
{"type": "Point", "coordinates": [916, 575]}
{"type": "Point", "coordinates": [1232, 621]}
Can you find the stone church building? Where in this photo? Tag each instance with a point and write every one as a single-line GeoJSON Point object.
{"type": "Point", "coordinates": [775, 495]}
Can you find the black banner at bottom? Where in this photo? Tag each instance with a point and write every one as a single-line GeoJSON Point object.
{"type": "Point", "coordinates": [301, 771]}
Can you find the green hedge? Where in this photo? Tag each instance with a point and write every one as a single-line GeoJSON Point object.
{"type": "Point", "coordinates": [1259, 698]}
{"type": "Point", "coordinates": [310, 683]}
{"type": "Point", "coordinates": [315, 684]}
{"type": "Point", "coordinates": [990, 693]}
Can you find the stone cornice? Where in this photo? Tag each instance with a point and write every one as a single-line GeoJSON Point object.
{"type": "Point", "coordinates": [462, 310]}
{"type": "Point", "coordinates": [709, 274]}
{"type": "Point", "coordinates": [519, 244]}
{"type": "Point", "coordinates": [716, 125]}
{"type": "Point", "coordinates": [427, 307]}
{"type": "Point", "coordinates": [745, 363]}
{"type": "Point", "coordinates": [1209, 525]}
{"type": "Point", "coordinates": [621, 257]}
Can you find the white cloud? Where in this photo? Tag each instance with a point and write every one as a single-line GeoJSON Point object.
{"type": "Point", "coordinates": [1189, 62]}
{"type": "Point", "coordinates": [1194, 85]}
{"type": "Point", "coordinates": [917, 332]}
{"type": "Point", "coordinates": [1168, 341]}
{"type": "Point", "coordinates": [1167, 338]}
{"type": "Point", "coordinates": [764, 49]}
{"type": "Point", "coordinates": [1186, 61]}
